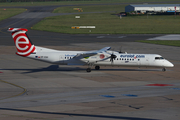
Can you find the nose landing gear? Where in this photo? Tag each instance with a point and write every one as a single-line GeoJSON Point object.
{"type": "Point", "coordinates": [89, 68]}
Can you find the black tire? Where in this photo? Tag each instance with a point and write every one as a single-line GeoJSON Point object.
{"type": "Point", "coordinates": [88, 70]}
{"type": "Point", "coordinates": [164, 69]}
{"type": "Point", "coordinates": [97, 67]}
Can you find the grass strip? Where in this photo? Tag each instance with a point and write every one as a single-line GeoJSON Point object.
{"type": "Point", "coordinates": [109, 23]}
{"type": "Point", "coordinates": [162, 42]}
{"type": "Point", "coordinates": [92, 8]}
{"type": "Point", "coordinates": [78, 2]}
{"type": "Point", "coordinates": [9, 12]}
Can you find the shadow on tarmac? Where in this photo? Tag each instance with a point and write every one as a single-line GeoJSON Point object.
{"type": "Point", "coordinates": [57, 68]}
{"type": "Point", "coordinates": [80, 115]}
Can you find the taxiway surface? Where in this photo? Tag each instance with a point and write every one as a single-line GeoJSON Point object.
{"type": "Point", "coordinates": [36, 90]}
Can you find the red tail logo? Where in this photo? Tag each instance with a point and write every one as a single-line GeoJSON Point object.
{"type": "Point", "coordinates": [23, 44]}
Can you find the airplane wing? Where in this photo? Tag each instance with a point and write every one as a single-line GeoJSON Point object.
{"type": "Point", "coordinates": [91, 53]}
{"type": "Point", "coordinates": [103, 49]}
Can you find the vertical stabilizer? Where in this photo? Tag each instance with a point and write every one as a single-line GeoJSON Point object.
{"type": "Point", "coordinates": [23, 44]}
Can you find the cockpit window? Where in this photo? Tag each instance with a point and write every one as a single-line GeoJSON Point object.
{"type": "Point", "coordinates": [159, 58]}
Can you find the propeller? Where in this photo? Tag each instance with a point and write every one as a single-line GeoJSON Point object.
{"type": "Point", "coordinates": [120, 50]}
{"type": "Point", "coordinates": [112, 57]}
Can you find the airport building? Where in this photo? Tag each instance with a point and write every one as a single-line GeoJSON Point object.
{"type": "Point", "coordinates": [144, 8]}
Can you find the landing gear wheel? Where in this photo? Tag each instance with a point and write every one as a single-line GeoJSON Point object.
{"type": "Point", "coordinates": [88, 70]}
{"type": "Point", "coordinates": [164, 69]}
{"type": "Point", "coordinates": [97, 67]}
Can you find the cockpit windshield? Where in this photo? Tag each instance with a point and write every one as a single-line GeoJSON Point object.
{"type": "Point", "coordinates": [159, 58]}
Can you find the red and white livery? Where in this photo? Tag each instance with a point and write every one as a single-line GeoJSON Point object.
{"type": "Point", "coordinates": [97, 58]}
{"type": "Point", "coordinates": [23, 44]}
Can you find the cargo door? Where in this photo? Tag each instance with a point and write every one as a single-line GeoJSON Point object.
{"type": "Point", "coordinates": [61, 58]}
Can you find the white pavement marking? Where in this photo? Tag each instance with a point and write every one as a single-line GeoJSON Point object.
{"type": "Point", "coordinates": [100, 36]}
{"type": "Point", "coordinates": [166, 37]}
{"type": "Point", "coordinates": [111, 36]}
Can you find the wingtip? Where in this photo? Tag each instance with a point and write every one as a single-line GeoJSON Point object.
{"type": "Point", "coordinates": [108, 48]}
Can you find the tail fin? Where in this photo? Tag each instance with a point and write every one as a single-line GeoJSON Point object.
{"type": "Point", "coordinates": [23, 44]}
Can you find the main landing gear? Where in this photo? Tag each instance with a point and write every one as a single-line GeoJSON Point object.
{"type": "Point", "coordinates": [89, 68]}
{"type": "Point", "coordinates": [97, 67]}
{"type": "Point", "coordinates": [164, 69]}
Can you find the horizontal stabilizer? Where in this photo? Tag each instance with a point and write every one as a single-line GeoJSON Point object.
{"type": "Point", "coordinates": [16, 29]}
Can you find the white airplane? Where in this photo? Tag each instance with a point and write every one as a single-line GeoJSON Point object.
{"type": "Point", "coordinates": [97, 58]}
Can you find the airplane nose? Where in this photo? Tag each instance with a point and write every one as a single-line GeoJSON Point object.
{"type": "Point", "coordinates": [170, 64]}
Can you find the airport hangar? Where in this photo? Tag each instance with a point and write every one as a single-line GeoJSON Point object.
{"type": "Point", "coordinates": [143, 8]}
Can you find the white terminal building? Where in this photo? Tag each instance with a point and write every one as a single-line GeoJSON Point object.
{"type": "Point", "coordinates": [143, 8]}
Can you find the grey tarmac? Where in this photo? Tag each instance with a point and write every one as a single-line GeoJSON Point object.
{"type": "Point", "coordinates": [32, 89]}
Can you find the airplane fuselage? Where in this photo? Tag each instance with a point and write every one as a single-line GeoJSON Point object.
{"type": "Point", "coordinates": [122, 59]}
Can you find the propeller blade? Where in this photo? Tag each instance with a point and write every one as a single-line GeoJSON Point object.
{"type": "Point", "coordinates": [112, 58]}
{"type": "Point", "coordinates": [120, 50]}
